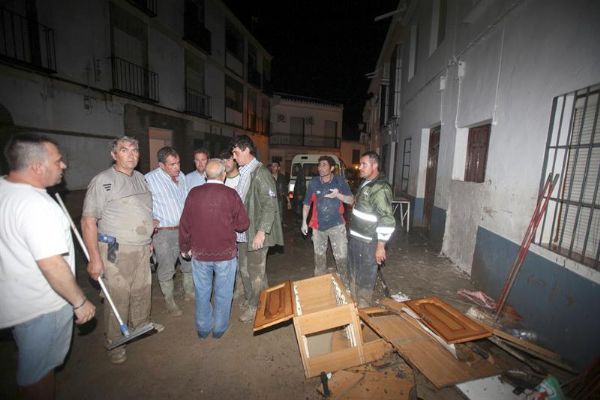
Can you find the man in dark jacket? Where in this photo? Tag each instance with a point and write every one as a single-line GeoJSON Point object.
{"type": "Point", "coordinates": [212, 215]}
{"type": "Point", "coordinates": [257, 190]}
{"type": "Point", "coordinates": [281, 184]}
{"type": "Point", "coordinates": [371, 226]}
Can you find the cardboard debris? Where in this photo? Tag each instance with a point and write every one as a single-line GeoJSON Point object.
{"type": "Point", "coordinates": [393, 382]}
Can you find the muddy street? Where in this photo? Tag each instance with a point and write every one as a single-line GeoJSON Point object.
{"type": "Point", "coordinates": [176, 364]}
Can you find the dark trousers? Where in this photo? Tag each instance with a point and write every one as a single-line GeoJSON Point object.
{"type": "Point", "coordinates": [362, 269]}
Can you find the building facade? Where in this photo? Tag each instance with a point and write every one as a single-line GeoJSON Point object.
{"type": "Point", "coordinates": [184, 73]}
{"type": "Point", "coordinates": [302, 125]}
{"type": "Point", "coordinates": [473, 105]}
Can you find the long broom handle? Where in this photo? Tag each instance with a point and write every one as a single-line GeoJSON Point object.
{"type": "Point", "coordinates": [521, 253]}
{"type": "Point", "coordinates": [537, 217]}
{"type": "Point", "coordinates": [123, 327]}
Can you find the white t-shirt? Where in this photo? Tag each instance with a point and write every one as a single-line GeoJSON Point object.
{"type": "Point", "coordinates": [32, 227]}
{"type": "Point", "coordinates": [232, 182]}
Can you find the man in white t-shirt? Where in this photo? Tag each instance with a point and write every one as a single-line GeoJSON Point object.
{"type": "Point", "coordinates": [231, 169]}
{"type": "Point", "coordinates": [38, 291]}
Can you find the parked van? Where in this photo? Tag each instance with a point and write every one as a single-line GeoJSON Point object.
{"type": "Point", "coordinates": [308, 164]}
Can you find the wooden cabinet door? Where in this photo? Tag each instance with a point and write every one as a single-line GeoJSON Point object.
{"type": "Point", "coordinates": [448, 322]}
{"type": "Point", "coordinates": [275, 305]}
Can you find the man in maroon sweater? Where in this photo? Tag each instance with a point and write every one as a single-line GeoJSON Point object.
{"type": "Point", "coordinates": [212, 214]}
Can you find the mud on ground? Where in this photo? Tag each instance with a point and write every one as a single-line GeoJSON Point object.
{"type": "Point", "coordinates": [176, 364]}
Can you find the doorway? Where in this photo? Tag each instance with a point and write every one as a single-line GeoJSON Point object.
{"type": "Point", "coordinates": [430, 180]}
{"type": "Point", "coordinates": [158, 138]}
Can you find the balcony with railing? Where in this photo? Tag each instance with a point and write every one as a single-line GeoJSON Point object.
{"type": "Point", "coordinates": [254, 77]}
{"type": "Point", "coordinates": [290, 139]}
{"type": "Point", "coordinates": [197, 103]}
{"type": "Point", "coordinates": [26, 42]}
{"type": "Point", "coordinates": [129, 78]}
{"type": "Point", "coordinates": [146, 6]}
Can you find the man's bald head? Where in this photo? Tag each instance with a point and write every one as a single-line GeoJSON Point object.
{"type": "Point", "coordinates": [215, 169]}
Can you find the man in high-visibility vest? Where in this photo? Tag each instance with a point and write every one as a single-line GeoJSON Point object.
{"type": "Point", "coordinates": [371, 226]}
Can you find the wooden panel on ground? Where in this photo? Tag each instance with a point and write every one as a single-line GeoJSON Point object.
{"type": "Point", "coordinates": [452, 325]}
{"type": "Point", "coordinates": [275, 305]}
{"type": "Point", "coordinates": [423, 352]}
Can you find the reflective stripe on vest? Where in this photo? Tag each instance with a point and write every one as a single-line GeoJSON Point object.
{"type": "Point", "coordinates": [358, 235]}
{"type": "Point", "coordinates": [364, 216]}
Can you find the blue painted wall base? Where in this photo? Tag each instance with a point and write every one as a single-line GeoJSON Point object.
{"type": "Point", "coordinates": [562, 307]}
{"type": "Point", "coordinates": [437, 227]}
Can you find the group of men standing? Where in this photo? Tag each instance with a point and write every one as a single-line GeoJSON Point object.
{"type": "Point", "coordinates": [211, 222]}
{"type": "Point", "coordinates": [371, 225]}
{"type": "Point", "coordinates": [194, 220]}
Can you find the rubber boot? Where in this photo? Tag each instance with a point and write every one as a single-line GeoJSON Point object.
{"type": "Point", "coordinates": [167, 290]}
{"type": "Point", "coordinates": [188, 286]}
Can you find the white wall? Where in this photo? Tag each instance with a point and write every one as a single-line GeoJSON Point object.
{"type": "Point", "coordinates": [319, 113]}
{"type": "Point", "coordinates": [517, 57]}
{"type": "Point", "coordinates": [166, 58]}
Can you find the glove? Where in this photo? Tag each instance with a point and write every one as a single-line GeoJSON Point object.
{"type": "Point", "coordinates": [304, 228]}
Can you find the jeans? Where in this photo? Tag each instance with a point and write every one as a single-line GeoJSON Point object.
{"type": "Point", "coordinates": [362, 268]}
{"type": "Point", "coordinates": [208, 317]}
{"type": "Point", "coordinates": [339, 246]}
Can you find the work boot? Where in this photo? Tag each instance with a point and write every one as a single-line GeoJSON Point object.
{"type": "Point", "coordinates": [167, 290]}
{"type": "Point", "coordinates": [248, 315]}
{"type": "Point", "coordinates": [158, 327]}
{"type": "Point", "coordinates": [188, 286]}
{"type": "Point", "coordinates": [118, 355]}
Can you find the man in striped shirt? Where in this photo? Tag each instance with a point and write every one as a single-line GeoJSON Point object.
{"type": "Point", "coordinates": [169, 191]}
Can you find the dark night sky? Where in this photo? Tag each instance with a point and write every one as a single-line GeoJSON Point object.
{"type": "Point", "coordinates": [320, 48]}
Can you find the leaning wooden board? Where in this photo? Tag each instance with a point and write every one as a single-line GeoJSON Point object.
{"type": "Point", "coordinates": [452, 325]}
{"type": "Point", "coordinates": [423, 352]}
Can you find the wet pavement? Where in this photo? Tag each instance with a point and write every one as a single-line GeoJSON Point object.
{"type": "Point", "coordinates": [176, 364]}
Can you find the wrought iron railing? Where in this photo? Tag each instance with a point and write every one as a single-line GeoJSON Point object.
{"type": "Point", "coordinates": [25, 41]}
{"type": "Point", "coordinates": [133, 79]}
{"type": "Point", "coordinates": [147, 6]}
{"type": "Point", "coordinates": [571, 224]}
{"type": "Point", "coordinates": [279, 138]}
{"type": "Point", "coordinates": [197, 103]}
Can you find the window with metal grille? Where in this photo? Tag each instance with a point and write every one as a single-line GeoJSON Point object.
{"type": "Point", "coordinates": [413, 51]}
{"type": "Point", "coordinates": [234, 42]}
{"type": "Point", "coordinates": [297, 126]}
{"type": "Point", "coordinates": [477, 151]}
{"type": "Point", "coordinates": [571, 226]}
{"type": "Point", "coordinates": [406, 165]}
{"type": "Point", "coordinates": [438, 24]}
{"type": "Point", "coordinates": [330, 128]}
{"type": "Point", "coordinates": [234, 94]}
